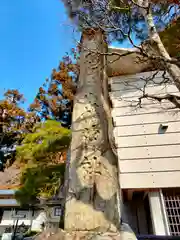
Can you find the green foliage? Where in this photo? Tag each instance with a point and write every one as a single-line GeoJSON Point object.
{"type": "Point", "coordinates": [47, 137]}
{"type": "Point", "coordinates": [41, 175]}
{"type": "Point", "coordinates": [40, 181]}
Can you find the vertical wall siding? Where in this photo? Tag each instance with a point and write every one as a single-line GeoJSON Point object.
{"type": "Point", "coordinates": [148, 156]}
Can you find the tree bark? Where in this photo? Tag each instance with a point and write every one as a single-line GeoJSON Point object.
{"type": "Point", "coordinates": [172, 69]}
{"type": "Point", "coordinates": [91, 203]}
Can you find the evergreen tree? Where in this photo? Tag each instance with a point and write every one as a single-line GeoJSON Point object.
{"type": "Point", "coordinates": [42, 156]}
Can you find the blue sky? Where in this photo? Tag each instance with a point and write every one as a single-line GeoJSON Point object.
{"type": "Point", "coordinates": [34, 35]}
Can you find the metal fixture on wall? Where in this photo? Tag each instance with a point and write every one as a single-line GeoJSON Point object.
{"type": "Point", "coordinates": [162, 128]}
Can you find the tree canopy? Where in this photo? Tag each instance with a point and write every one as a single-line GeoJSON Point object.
{"type": "Point", "coordinates": [37, 139]}
{"type": "Point", "coordinates": [40, 181]}
{"type": "Point", "coordinates": [46, 138]}
{"type": "Point", "coordinates": [54, 99]}
{"type": "Point", "coordinates": [14, 123]}
{"type": "Point", "coordinates": [42, 156]}
{"type": "Point", "coordinates": [120, 19]}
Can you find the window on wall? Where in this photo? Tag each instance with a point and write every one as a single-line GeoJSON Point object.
{"type": "Point", "coordinates": [172, 205]}
{"type": "Point", "coordinates": [57, 211]}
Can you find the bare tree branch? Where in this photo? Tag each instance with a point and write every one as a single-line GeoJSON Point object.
{"type": "Point", "coordinates": [170, 97]}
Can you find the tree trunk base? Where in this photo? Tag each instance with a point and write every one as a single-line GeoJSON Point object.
{"type": "Point", "coordinates": [59, 234]}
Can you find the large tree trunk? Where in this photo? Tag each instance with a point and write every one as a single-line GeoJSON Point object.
{"type": "Point", "coordinates": [91, 203]}
{"type": "Point", "coordinates": [172, 69]}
